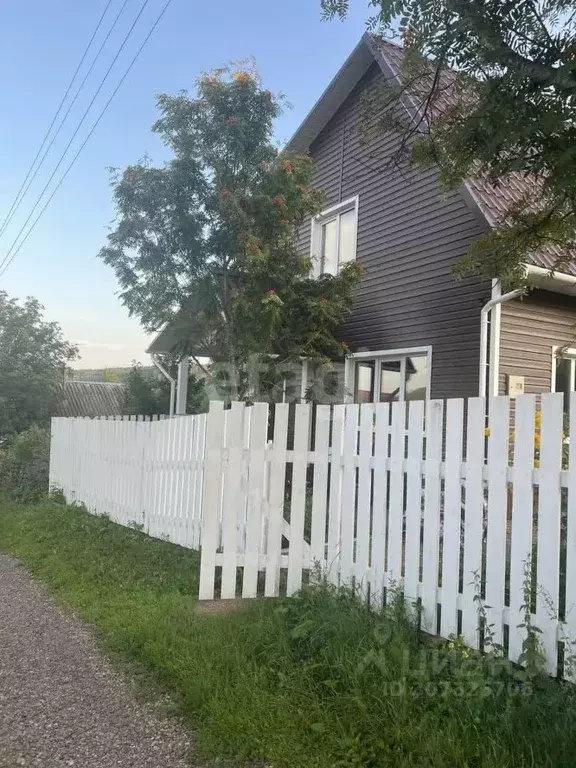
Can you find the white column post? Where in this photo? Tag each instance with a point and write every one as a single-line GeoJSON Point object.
{"type": "Point", "coordinates": [304, 380]}
{"type": "Point", "coordinates": [182, 389]}
{"type": "Point", "coordinates": [349, 380]}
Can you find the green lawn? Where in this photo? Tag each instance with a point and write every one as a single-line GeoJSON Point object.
{"type": "Point", "coordinates": [313, 682]}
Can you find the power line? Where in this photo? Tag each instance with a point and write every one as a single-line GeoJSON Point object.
{"type": "Point", "coordinates": [13, 210]}
{"type": "Point", "coordinates": [83, 118]}
{"type": "Point", "coordinates": [4, 266]}
{"type": "Point", "coordinates": [18, 199]}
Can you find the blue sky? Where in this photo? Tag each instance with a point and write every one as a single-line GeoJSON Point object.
{"type": "Point", "coordinates": [40, 46]}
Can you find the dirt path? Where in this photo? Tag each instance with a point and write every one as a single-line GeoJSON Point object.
{"type": "Point", "coordinates": [61, 702]}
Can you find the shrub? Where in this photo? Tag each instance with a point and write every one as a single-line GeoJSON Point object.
{"type": "Point", "coordinates": [24, 465]}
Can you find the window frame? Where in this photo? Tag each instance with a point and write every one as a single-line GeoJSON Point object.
{"type": "Point", "coordinates": [567, 354]}
{"type": "Point", "coordinates": [333, 213]}
{"type": "Point", "coordinates": [379, 356]}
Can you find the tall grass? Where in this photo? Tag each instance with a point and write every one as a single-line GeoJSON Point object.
{"type": "Point", "coordinates": [317, 681]}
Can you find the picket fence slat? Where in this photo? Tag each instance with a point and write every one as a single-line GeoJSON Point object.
{"type": "Point", "coordinates": [256, 471]}
{"type": "Point", "coordinates": [452, 515]}
{"type": "Point", "coordinates": [569, 628]}
{"type": "Point", "coordinates": [298, 501]}
{"type": "Point", "coordinates": [413, 500]}
{"type": "Point", "coordinates": [233, 501]}
{"type": "Point", "coordinates": [335, 498]}
{"type": "Point", "coordinates": [320, 487]}
{"type": "Point", "coordinates": [199, 478]}
{"type": "Point", "coordinates": [348, 508]}
{"type": "Point", "coordinates": [548, 552]}
{"type": "Point", "coordinates": [277, 497]}
{"type": "Point", "coordinates": [379, 531]}
{"type": "Point", "coordinates": [212, 499]}
{"type": "Point", "coordinates": [473, 519]}
{"type": "Point", "coordinates": [396, 511]}
{"type": "Point", "coordinates": [431, 540]}
{"type": "Point", "coordinates": [364, 480]}
{"type": "Point", "coordinates": [522, 510]}
{"type": "Point", "coordinates": [186, 507]}
{"type": "Point", "coordinates": [376, 495]}
{"type": "Point", "coordinates": [497, 506]}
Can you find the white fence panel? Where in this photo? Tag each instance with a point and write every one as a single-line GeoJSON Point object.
{"type": "Point", "coordinates": [140, 473]}
{"type": "Point", "coordinates": [429, 498]}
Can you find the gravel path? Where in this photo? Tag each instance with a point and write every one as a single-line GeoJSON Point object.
{"type": "Point", "coordinates": [61, 702]}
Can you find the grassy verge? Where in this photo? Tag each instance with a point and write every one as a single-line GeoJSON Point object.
{"type": "Point", "coordinates": [313, 682]}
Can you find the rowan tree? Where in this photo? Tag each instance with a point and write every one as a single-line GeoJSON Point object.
{"type": "Point", "coordinates": [207, 241]}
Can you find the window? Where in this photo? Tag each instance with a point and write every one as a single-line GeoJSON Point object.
{"type": "Point", "coordinates": [386, 377]}
{"type": "Point", "coordinates": [564, 373]}
{"type": "Point", "coordinates": [334, 237]}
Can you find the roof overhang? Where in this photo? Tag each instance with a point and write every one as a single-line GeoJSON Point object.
{"type": "Point", "coordinates": [346, 79]}
{"type": "Point", "coordinates": [164, 342]}
{"type": "Point", "coordinates": [170, 339]}
{"type": "Point", "coordinates": [180, 336]}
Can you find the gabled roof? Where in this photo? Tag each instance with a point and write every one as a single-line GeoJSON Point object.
{"type": "Point", "coordinates": [491, 201]}
{"type": "Point", "coordinates": [90, 398]}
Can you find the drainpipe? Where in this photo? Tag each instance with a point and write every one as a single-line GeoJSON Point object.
{"type": "Point", "coordinates": [166, 375]}
{"type": "Point", "coordinates": [495, 301]}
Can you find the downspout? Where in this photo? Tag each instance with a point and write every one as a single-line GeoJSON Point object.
{"type": "Point", "coordinates": [495, 323]}
{"type": "Point", "coordinates": [496, 301]}
{"type": "Point", "coordinates": [166, 375]}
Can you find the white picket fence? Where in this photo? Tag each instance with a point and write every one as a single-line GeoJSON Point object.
{"type": "Point", "coordinates": [137, 471]}
{"type": "Point", "coordinates": [423, 496]}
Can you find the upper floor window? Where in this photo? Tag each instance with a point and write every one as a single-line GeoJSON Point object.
{"type": "Point", "coordinates": [334, 237]}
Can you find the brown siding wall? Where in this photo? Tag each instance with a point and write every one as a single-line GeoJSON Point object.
{"type": "Point", "coordinates": [530, 328]}
{"type": "Point", "coordinates": [409, 238]}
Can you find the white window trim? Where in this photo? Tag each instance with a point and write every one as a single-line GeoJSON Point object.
{"type": "Point", "coordinates": [324, 217]}
{"type": "Point", "coordinates": [567, 354]}
{"type": "Point", "coordinates": [380, 355]}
